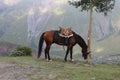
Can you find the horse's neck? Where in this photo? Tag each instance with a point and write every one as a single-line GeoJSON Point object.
{"type": "Point", "coordinates": [80, 41]}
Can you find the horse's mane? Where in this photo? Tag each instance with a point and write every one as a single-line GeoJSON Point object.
{"type": "Point", "coordinates": [80, 40]}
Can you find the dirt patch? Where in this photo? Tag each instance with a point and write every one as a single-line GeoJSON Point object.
{"type": "Point", "coordinates": [11, 71]}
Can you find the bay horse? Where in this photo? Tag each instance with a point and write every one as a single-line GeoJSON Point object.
{"type": "Point", "coordinates": [52, 36]}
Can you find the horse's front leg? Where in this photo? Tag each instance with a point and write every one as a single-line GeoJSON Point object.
{"type": "Point", "coordinates": [66, 54]}
{"type": "Point", "coordinates": [71, 57]}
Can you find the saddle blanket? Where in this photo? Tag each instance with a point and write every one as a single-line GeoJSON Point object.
{"type": "Point", "coordinates": [61, 39]}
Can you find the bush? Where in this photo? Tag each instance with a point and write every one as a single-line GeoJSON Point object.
{"type": "Point", "coordinates": [21, 51]}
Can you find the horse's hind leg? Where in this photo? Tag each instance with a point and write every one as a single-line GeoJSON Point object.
{"type": "Point", "coordinates": [47, 56]}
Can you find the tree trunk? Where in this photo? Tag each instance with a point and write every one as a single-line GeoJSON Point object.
{"type": "Point", "coordinates": [89, 32]}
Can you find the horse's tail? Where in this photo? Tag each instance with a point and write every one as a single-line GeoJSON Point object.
{"type": "Point", "coordinates": [40, 45]}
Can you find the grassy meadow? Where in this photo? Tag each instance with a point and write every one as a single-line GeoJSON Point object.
{"type": "Point", "coordinates": [57, 69]}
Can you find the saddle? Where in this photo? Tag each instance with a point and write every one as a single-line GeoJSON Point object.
{"type": "Point", "coordinates": [63, 35]}
{"type": "Point", "coordinates": [65, 32]}
{"type": "Point", "coordinates": [62, 38]}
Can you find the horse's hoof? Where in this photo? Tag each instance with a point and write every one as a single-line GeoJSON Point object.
{"type": "Point", "coordinates": [50, 60]}
{"type": "Point", "coordinates": [65, 60]}
{"type": "Point", "coordinates": [47, 60]}
{"type": "Point", "coordinates": [72, 60]}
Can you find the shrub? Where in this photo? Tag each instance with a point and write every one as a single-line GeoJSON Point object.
{"type": "Point", "coordinates": [21, 51]}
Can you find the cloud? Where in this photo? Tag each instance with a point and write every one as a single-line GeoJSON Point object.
{"type": "Point", "coordinates": [54, 6]}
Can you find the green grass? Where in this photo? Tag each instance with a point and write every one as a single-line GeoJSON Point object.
{"type": "Point", "coordinates": [60, 70]}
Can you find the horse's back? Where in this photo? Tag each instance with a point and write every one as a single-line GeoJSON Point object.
{"type": "Point", "coordinates": [49, 35]}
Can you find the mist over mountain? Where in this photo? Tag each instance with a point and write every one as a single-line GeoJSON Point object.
{"type": "Point", "coordinates": [23, 21]}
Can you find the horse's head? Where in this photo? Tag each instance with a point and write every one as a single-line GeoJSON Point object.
{"type": "Point", "coordinates": [85, 53]}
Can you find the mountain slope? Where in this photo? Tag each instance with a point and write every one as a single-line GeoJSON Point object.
{"type": "Point", "coordinates": [14, 24]}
